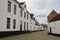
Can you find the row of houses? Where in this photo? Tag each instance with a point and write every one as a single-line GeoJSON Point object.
{"type": "Point", "coordinates": [44, 27]}
{"type": "Point", "coordinates": [14, 17]}
{"type": "Point", "coordinates": [54, 23]}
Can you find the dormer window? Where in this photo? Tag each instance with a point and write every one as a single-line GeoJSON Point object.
{"type": "Point", "coordinates": [24, 6]}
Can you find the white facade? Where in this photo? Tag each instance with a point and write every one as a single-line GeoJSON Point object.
{"type": "Point", "coordinates": [32, 24]}
{"type": "Point", "coordinates": [37, 28]}
{"type": "Point", "coordinates": [4, 14]}
{"type": "Point", "coordinates": [41, 27]}
{"type": "Point", "coordinates": [20, 20]}
{"type": "Point", "coordinates": [25, 19]}
{"type": "Point", "coordinates": [55, 27]}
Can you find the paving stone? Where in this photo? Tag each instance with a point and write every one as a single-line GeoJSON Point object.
{"type": "Point", "coordinates": [42, 35]}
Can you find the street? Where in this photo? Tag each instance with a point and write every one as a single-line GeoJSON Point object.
{"type": "Point", "coordinates": [41, 35]}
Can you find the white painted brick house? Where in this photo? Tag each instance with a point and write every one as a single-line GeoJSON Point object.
{"type": "Point", "coordinates": [54, 23]}
{"type": "Point", "coordinates": [12, 14]}
{"type": "Point", "coordinates": [15, 17]}
{"type": "Point", "coordinates": [7, 15]}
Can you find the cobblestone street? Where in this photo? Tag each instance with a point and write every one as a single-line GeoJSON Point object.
{"type": "Point", "coordinates": [32, 36]}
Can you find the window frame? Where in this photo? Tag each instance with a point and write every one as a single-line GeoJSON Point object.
{"type": "Point", "coordinates": [24, 25]}
{"type": "Point", "coordinates": [21, 12]}
{"type": "Point", "coordinates": [9, 6]}
{"type": "Point", "coordinates": [27, 26]}
{"type": "Point", "coordinates": [14, 23]}
{"type": "Point", "coordinates": [24, 14]}
{"type": "Point", "coordinates": [27, 16]}
{"type": "Point", "coordinates": [8, 23]}
{"type": "Point", "coordinates": [15, 8]}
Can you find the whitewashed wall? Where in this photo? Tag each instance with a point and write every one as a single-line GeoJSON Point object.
{"type": "Point", "coordinates": [25, 19]}
{"type": "Point", "coordinates": [55, 27]}
{"type": "Point", "coordinates": [41, 27]}
{"type": "Point", "coordinates": [4, 14]}
{"type": "Point", "coordinates": [33, 27]}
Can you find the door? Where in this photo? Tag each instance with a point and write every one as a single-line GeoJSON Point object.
{"type": "Point", "coordinates": [20, 27]}
{"type": "Point", "coordinates": [50, 30]}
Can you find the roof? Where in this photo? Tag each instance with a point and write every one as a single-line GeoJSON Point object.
{"type": "Point", "coordinates": [16, 1]}
{"type": "Point", "coordinates": [27, 11]}
{"type": "Point", "coordinates": [21, 7]}
{"type": "Point", "coordinates": [53, 11]}
{"type": "Point", "coordinates": [33, 18]}
{"type": "Point", "coordinates": [37, 23]}
{"type": "Point", "coordinates": [56, 18]}
{"type": "Point", "coordinates": [44, 25]}
{"type": "Point", "coordinates": [19, 3]}
{"type": "Point", "coordinates": [53, 16]}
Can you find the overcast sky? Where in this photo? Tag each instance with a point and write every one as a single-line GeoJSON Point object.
{"type": "Point", "coordinates": [41, 8]}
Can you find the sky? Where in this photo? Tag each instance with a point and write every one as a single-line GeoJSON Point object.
{"type": "Point", "coordinates": [42, 8]}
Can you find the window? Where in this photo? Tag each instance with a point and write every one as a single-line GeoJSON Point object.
{"type": "Point", "coordinates": [24, 6]}
{"type": "Point", "coordinates": [34, 28]}
{"type": "Point", "coordinates": [54, 27]}
{"type": "Point", "coordinates": [30, 21]}
{"type": "Point", "coordinates": [14, 9]}
{"type": "Point", "coordinates": [21, 13]}
{"type": "Point", "coordinates": [24, 14]}
{"type": "Point", "coordinates": [31, 27]}
{"type": "Point", "coordinates": [20, 22]}
{"type": "Point", "coordinates": [27, 16]}
{"type": "Point", "coordinates": [27, 26]}
{"type": "Point", "coordinates": [24, 25]}
{"type": "Point", "coordinates": [9, 6]}
{"type": "Point", "coordinates": [8, 23]}
{"type": "Point", "coordinates": [14, 23]}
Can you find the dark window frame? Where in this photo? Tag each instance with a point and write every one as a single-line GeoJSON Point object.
{"type": "Point", "coordinates": [15, 9]}
{"type": "Point", "coordinates": [8, 23]}
{"type": "Point", "coordinates": [24, 25]}
{"type": "Point", "coordinates": [25, 6]}
{"type": "Point", "coordinates": [27, 26]}
{"type": "Point", "coordinates": [14, 23]}
{"type": "Point", "coordinates": [27, 16]}
{"type": "Point", "coordinates": [21, 13]}
{"type": "Point", "coordinates": [24, 14]}
{"type": "Point", "coordinates": [9, 6]}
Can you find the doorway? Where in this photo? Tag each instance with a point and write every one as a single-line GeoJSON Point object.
{"type": "Point", "coordinates": [21, 27]}
{"type": "Point", "coordinates": [50, 30]}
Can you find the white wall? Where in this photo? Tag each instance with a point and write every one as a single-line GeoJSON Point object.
{"type": "Point", "coordinates": [4, 14]}
{"type": "Point", "coordinates": [25, 19]}
{"type": "Point", "coordinates": [41, 27]}
{"type": "Point", "coordinates": [55, 27]}
{"type": "Point", "coordinates": [33, 26]}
